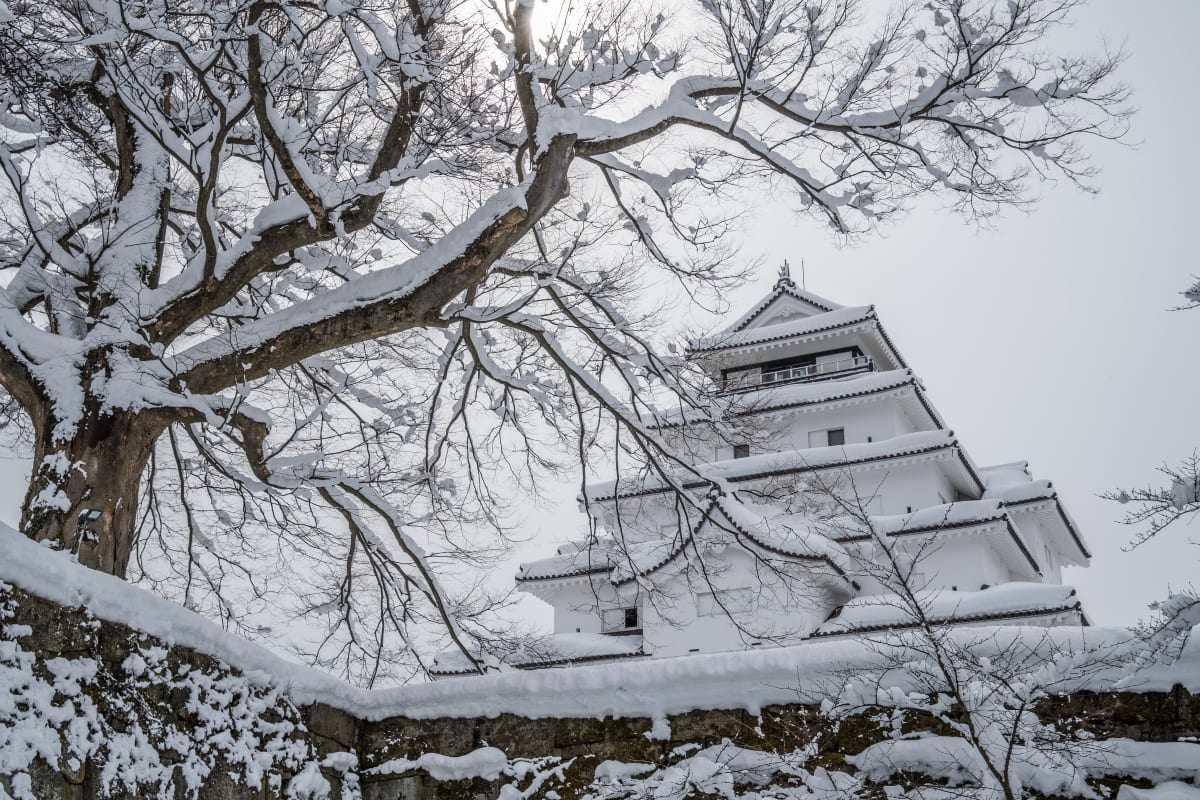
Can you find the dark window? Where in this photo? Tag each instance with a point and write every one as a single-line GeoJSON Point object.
{"type": "Point", "coordinates": [837, 436]}
{"type": "Point", "coordinates": [741, 450]}
{"type": "Point", "coordinates": [631, 618]}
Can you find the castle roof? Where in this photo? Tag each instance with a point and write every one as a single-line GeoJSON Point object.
{"type": "Point", "coordinates": [1015, 486]}
{"type": "Point", "coordinates": [1007, 602]}
{"type": "Point", "coordinates": [766, 465]}
{"type": "Point", "coordinates": [554, 650]}
{"type": "Point", "coordinates": [783, 291]}
{"type": "Point", "coordinates": [751, 527]}
{"type": "Point", "coordinates": [789, 329]}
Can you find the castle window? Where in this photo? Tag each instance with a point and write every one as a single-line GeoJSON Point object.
{"type": "Point", "coordinates": [741, 450]}
{"type": "Point", "coordinates": [620, 620]}
{"type": "Point", "coordinates": [833, 437]}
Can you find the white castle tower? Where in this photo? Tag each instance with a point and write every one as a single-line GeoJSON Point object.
{"type": "Point", "coordinates": [831, 420]}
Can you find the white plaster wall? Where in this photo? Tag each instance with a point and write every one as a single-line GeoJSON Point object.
{"type": "Point", "coordinates": [770, 611]}
{"type": "Point", "coordinates": [955, 562]}
{"type": "Point", "coordinates": [1031, 527]}
{"type": "Point", "coordinates": [578, 606]}
{"type": "Point", "coordinates": [899, 489]}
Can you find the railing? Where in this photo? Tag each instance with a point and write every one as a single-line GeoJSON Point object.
{"type": "Point", "coordinates": [753, 379]}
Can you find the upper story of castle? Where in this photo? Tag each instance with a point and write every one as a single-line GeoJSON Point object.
{"type": "Point", "coordinates": [793, 336]}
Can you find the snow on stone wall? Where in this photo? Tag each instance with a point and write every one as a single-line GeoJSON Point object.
{"type": "Point", "coordinates": [93, 707]}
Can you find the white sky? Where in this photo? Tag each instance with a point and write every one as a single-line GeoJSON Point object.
{"type": "Point", "coordinates": [1046, 339]}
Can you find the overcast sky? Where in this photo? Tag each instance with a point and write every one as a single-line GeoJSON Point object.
{"type": "Point", "coordinates": [1047, 338]}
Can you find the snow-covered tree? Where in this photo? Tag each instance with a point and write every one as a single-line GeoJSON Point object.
{"type": "Point", "coordinates": [981, 686]}
{"type": "Point", "coordinates": [1153, 508]}
{"type": "Point", "coordinates": [268, 266]}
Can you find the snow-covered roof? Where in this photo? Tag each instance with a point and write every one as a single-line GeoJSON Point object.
{"type": "Point", "coordinates": [1014, 485]}
{"type": "Point", "coordinates": [784, 288]}
{"type": "Point", "coordinates": [554, 650]}
{"type": "Point", "coordinates": [573, 558]}
{"type": "Point", "coordinates": [964, 512]}
{"type": "Point", "coordinates": [776, 397]}
{"type": "Point", "coordinates": [961, 516]}
{"type": "Point", "coordinates": [752, 526]}
{"type": "Point", "coordinates": [793, 328]}
{"type": "Point", "coordinates": [787, 462]}
{"type": "Point", "coordinates": [1007, 601]}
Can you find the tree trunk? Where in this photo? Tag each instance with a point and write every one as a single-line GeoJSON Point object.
{"type": "Point", "coordinates": [83, 495]}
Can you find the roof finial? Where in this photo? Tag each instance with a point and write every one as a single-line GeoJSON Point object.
{"type": "Point", "coordinates": [785, 275]}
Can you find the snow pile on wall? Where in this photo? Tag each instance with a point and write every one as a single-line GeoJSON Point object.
{"type": "Point", "coordinates": [747, 680]}
{"type": "Point", "coordinates": [95, 707]}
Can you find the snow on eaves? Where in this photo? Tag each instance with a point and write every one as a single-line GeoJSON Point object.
{"type": "Point", "coordinates": [752, 526]}
{"type": "Point", "coordinates": [948, 515]}
{"type": "Point", "coordinates": [784, 330]}
{"type": "Point", "coordinates": [792, 461]}
{"type": "Point", "coordinates": [1007, 601]}
{"type": "Point", "coordinates": [782, 287]}
{"type": "Point", "coordinates": [1013, 484]}
{"type": "Point", "coordinates": [572, 558]}
{"type": "Point", "coordinates": [775, 397]}
{"type": "Point", "coordinates": [558, 649]}
{"type": "Point", "coordinates": [769, 530]}
{"type": "Point", "coordinates": [748, 680]}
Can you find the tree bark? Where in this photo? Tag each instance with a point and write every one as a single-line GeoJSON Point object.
{"type": "Point", "coordinates": [83, 495]}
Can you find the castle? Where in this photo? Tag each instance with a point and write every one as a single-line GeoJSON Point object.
{"type": "Point", "coordinates": [836, 498]}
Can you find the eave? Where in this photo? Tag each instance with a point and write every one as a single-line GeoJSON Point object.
{"type": "Point", "coordinates": [999, 616]}
{"type": "Point", "coordinates": [951, 448]}
{"type": "Point", "coordinates": [983, 525]}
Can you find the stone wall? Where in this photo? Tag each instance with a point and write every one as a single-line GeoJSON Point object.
{"type": "Point", "coordinates": [172, 721]}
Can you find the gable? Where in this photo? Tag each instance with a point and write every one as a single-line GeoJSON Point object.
{"type": "Point", "coordinates": [784, 304]}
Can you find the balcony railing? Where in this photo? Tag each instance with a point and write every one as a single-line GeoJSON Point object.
{"type": "Point", "coordinates": [753, 379]}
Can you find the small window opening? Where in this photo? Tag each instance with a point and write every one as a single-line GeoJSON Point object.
{"type": "Point", "coordinates": [909, 510]}
{"type": "Point", "coordinates": [621, 620]}
{"type": "Point", "coordinates": [741, 450]}
{"type": "Point", "coordinates": [827, 438]}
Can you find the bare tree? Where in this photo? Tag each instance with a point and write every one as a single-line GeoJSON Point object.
{"type": "Point", "coordinates": [277, 269]}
